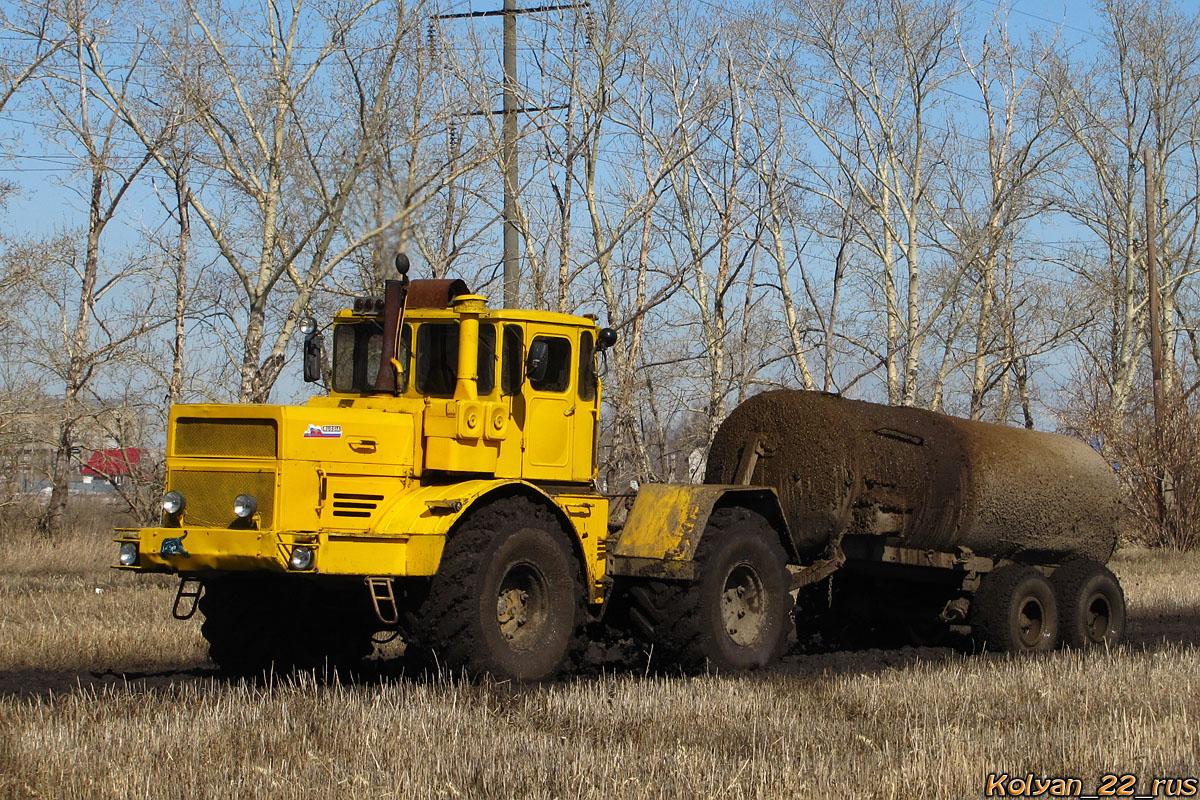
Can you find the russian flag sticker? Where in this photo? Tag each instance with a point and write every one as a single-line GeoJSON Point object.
{"type": "Point", "coordinates": [323, 432]}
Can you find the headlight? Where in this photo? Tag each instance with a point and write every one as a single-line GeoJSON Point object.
{"type": "Point", "coordinates": [302, 558]}
{"type": "Point", "coordinates": [129, 554]}
{"type": "Point", "coordinates": [244, 505]}
{"type": "Point", "coordinates": [173, 502]}
{"type": "Point", "coordinates": [308, 326]}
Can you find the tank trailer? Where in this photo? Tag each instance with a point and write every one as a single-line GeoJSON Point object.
{"type": "Point", "coordinates": [445, 489]}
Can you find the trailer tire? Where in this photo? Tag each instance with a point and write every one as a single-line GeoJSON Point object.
{"type": "Point", "coordinates": [1015, 611]}
{"type": "Point", "coordinates": [507, 600]}
{"type": "Point", "coordinates": [1091, 604]}
{"type": "Point", "coordinates": [735, 614]}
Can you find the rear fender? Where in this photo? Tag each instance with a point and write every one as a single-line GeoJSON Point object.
{"type": "Point", "coordinates": [667, 521]}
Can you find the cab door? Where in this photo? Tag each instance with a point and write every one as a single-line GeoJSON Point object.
{"type": "Point", "coordinates": [550, 411]}
{"type": "Point", "coordinates": [587, 412]}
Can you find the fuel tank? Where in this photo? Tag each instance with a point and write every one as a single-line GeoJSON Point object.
{"type": "Point", "coordinates": [846, 467]}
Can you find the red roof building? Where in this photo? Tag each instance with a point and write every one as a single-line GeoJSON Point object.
{"type": "Point", "coordinates": [115, 463]}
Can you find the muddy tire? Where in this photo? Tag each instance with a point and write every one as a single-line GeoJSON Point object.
{"type": "Point", "coordinates": [507, 600]}
{"type": "Point", "coordinates": [735, 615]}
{"type": "Point", "coordinates": [256, 624]}
{"type": "Point", "coordinates": [1015, 611]}
{"type": "Point", "coordinates": [1091, 604]}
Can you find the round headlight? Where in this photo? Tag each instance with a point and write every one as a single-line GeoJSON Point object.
{"type": "Point", "coordinates": [173, 502]}
{"type": "Point", "coordinates": [308, 326]}
{"type": "Point", "coordinates": [129, 554]}
{"type": "Point", "coordinates": [302, 558]}
{"type": "Point", "coordinates": [244, 505]}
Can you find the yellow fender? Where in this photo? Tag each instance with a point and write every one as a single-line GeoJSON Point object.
{"type": "Point", "coordinates": [422, 518]}
{"type": "Point", "coordinates": [667, 521]}
{"type": "Point", "coordinates": [433, 510]}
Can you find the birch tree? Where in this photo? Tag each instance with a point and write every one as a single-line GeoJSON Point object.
{"type": "Point", "coordinates": [1136, 93]}
{"type": "Point", "coordinates": [867, 80]}
{"type": "Point", "coordinates": [291, 109]}
{"type": "Point", "coordinates": [75, 274]}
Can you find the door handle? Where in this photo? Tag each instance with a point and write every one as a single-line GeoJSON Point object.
{"type": "Point", "coordinates": [362, 445]}
{"type": "Point", "coordinates": [570, 412]}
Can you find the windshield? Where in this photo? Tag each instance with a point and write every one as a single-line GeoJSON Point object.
{"type": "Point", "coordinates": [437, 358]}
{"type": "Point", "coordinates": [357, 349]}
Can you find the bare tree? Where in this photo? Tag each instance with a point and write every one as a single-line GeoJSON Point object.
{"type": "Point", "coordinates": [866, 81]}
{"type": "Point", "coordinates": [74, 278]}
{"type": "Point", "coordinates": [1136, 92]}
{"type": "Point", "coordinates": [290, 112]}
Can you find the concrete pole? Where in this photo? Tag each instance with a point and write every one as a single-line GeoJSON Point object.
{"type": "Point", "coordinates": [512, 246]}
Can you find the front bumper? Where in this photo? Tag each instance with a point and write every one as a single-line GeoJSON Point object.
{"type": "Point", "coordinates": [193, 550]}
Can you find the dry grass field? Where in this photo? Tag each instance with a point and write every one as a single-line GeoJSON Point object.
{"type": "Point", "coordinates": [103, 695]}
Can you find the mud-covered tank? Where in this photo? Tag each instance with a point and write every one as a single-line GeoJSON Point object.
{"type": "Point", "coordinates": [846, 467]}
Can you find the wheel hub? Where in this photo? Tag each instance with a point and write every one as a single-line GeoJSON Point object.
{"type": "Point", "coordinates": [743, 605]}
{"type": "Point", "coordinates": [1098, 618]}
{"type": "Point", "coordinates": [522, 605]}
{"type": "Point", "coordinates": [1031, 623]}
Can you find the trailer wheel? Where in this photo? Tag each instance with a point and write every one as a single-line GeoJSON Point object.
{"type": "Point", "coordinates": [735, 614]}
{"type": "Point", "coordinates": [507, 600]}
{"type": "Point", "coordinates": [1015, 611]}
{"type": "Point", "coordinates": [1091, 604]}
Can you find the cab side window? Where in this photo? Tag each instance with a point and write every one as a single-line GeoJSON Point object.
{"type": "Point", "coordinates": [487, 358]}
{"type": "Point", "coordinates": [557, 375]}
{"type": "Point", "coordinates": [587, 368]}
{"type": "Point", "coordinates": [512, 368]}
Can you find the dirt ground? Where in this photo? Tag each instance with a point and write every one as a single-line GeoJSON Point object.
{"type": "Point", "coordinates": [103, 695]}
{"type": "Point", "coordinates": [71, 621]}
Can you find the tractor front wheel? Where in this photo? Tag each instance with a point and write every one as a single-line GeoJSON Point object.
{"type": "Point", "coordinates": [507, 600]}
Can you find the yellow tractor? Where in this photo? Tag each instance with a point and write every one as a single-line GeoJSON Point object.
{"type": "Point", "coordinates": [445, 488]}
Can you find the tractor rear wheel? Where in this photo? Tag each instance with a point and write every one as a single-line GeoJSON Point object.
{"type": "Point", "coordinates": [1015, 611]}
{"type": "Point", "coordinates": [507, 600]}
{"type": "Point", "coordinates": [1091, 604]}
{"type": "Point", "coordinates": [735, 614]}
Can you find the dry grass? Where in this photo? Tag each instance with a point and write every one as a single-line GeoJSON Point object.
{"type": "Point", "coordinates": [911, 723]}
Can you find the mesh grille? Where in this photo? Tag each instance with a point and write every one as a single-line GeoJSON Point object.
{"type": "Point", "coordinates": [210, 495]}
{"type": "Point", "coordinates": [246, 438]}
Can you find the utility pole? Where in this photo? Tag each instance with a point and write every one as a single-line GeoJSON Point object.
{"type": "Point", "coordinates": [1156, 355]}
{"type": "Point", "coordinates": [508, 150]}
{"type": "Point", "coordinates": [512, 244]}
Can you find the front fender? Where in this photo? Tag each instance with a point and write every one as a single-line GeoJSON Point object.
{"type": "Point", "coordinates": [434, 510]}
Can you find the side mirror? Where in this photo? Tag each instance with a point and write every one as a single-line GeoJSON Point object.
{"type": "Point", "coordinates": [538, 361]}
{"type": "Point", "coordinates": [606, 339]}
{"type": "Point", "coordinates": [312, 357]}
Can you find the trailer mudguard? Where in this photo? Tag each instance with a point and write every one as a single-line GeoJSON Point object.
{"type": "Point", "coordinates": [667, 521]}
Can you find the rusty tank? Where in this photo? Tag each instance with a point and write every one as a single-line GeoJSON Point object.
{"type": "Point", "coordinates": [846, 467]}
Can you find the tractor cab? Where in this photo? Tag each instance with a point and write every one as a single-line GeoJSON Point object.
{"type": "Point", "coordinates": [500, 392]}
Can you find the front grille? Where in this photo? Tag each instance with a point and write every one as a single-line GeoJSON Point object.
{"type": "Point", "coordinates": [235, 438]}
{"type": "Point", "coordinates": [209, 496]}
